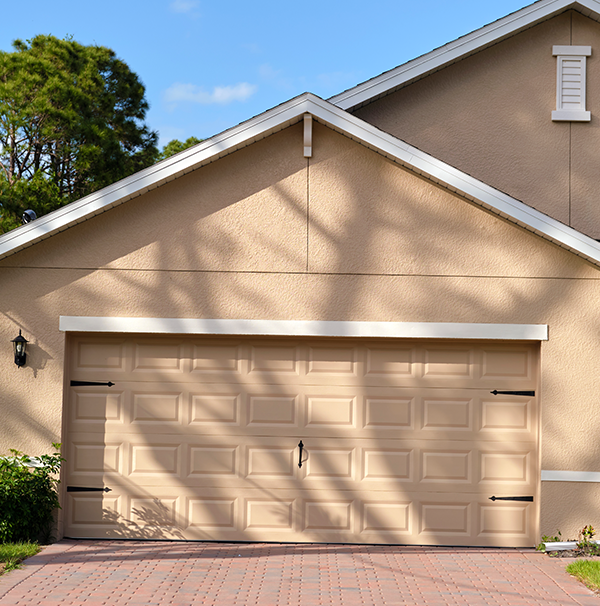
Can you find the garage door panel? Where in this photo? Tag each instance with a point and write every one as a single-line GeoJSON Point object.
{"type": "Point", "coordinates": [509, 363]}
{"type": "Point", "coordinates": [505, 414]}
{"type": "Point", "coordinates": [90, 406]}
{"type": "Point", "coordinates": [165, 356]}
{"type": "Point", "coordinates": [89, 459]}
{"type": "Point", "coordinates": [443, 466]}
{"type": "Point", "coordinates": [403, 442]}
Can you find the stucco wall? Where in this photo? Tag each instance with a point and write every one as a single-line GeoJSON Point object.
{"type": "Point", "coordinates": [490, 115]}
{"type": "Point", "coordinates": [264, 234]}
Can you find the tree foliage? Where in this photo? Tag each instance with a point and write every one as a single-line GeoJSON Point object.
{"type": "Point", "coordinates": [175, 146]}
{"type": "Point", "coordinates": [71, 122]}
{"type": "Point", "coordinates": [28, 496]}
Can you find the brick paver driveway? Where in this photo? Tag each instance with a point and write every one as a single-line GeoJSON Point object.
{"type": "Point", "coordinates": [155, 573]}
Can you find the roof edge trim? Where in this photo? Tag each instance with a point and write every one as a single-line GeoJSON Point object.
{"type": "Point", "coordinates": [280, 117]}
{"type": "Point", "coordinates": [462, 47]}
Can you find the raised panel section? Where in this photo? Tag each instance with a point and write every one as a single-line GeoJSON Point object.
{"type": "Point", "coordinates": [440, 466]}
{"type": "Point", "coordinates": [212, 461]}
{"type": "Point", "coordinates": [387, 464]}
{"type": "Point", "coordinates": [216, 358]}
{"type": "Point", "coordinates": [215, 409]}
{"type": "Point", "coordinates": [333, 412]}
{"type": "Point", "coordinates": [445, 518]}
{"type": "Point", "coordinates": [158, 357]}
{"type": "Point", "coordinates": [389, 362]}
{"type": "Point", "coordinates": [156, 407]}
{"type": "Point", "coordinates": [504, 467]}
{"type": "Point", "coordinates": [503, 519]}
{"type": "Point", "coordinates": [96, 458]}
{"type": "Point", "coordinates": [329, 463]}
{"type": "Point", "coordinates": [505, 415]}
{"type": "Point", "coordinates": [98, 407]}
{"type": "Point", "coordinates": [154, 459]}
{"type": "Point", "coordinates": [272, 410]}
{"type": "Point", "coordinates": [269, 514]}
{"type": "Point", "coordinates": [270, 463]}
{"type": "Point", "coordinates": [212, 513]}
{"type": "Point", "coordinates": [392, 413]}
{"type": "Point", "coordinates": [442, 414]}
{"type": "Point", "coordinates": [328, 515]}
{"type": "Point", "coordinates": [100, 356]}
{"type": "Point", "coordinates": [506, 363]}
{"type": "Point", "coordinates": [386, 517]}
{"type": "Point", "coordinates": [332, 360]}
{"type": "Point", "coordinates": [276, 359]}
{"type": "Point", "coordinates": [448, 363]}
{"type": "Point", "coordinates": [94, 509]}
{"type": "Point", "coordinates": [154, 511]}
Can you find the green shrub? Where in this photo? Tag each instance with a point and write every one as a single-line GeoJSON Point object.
{"type": "Point", "coordinates": [28, 496]}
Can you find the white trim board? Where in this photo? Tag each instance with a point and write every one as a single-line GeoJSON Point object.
{"type": "Point", "coordinates": [459, 49]}
{"type": "Point", "coordinates": [276, 119]}
{"type": "Point", "coordinates": [570, 476]}
{"type": "Point", "coordinates": [317, 328]}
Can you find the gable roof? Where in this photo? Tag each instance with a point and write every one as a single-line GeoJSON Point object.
{"type": "Point", "coordinates": [277, 119]}
{"type": "Point", "coordinates": [461, 48]}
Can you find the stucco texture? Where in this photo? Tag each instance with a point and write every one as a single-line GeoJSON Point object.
{"type": "Point", "coordinates": [490, 116]}
{"type": "Point", "coordinates": [266, 234]}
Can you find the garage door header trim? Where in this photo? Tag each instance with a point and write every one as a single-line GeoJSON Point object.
{"type": "Point", "coordinates": [317, 328]}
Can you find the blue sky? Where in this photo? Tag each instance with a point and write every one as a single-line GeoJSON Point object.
{"type": "Point", "coordinates": [210, 65]}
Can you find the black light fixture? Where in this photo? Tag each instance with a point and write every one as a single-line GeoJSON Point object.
{"type": "Point", "coordinates": [20, 345]}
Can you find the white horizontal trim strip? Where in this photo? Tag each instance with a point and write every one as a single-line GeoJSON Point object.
{"type": "Point", "coordinates": [579, 51]}
{"type": "Point", "coordinates": [570, 476]}
{"type": "Point", "coordinates": [317, 328]}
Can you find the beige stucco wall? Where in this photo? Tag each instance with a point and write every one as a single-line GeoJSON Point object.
{"type": "Point", "coordinates": [490, 115]}
{"type": "Point", "coordinates": [266, 234]}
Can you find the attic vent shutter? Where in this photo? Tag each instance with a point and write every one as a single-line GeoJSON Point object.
{"type": "Point", "coordinates": [570, 83]}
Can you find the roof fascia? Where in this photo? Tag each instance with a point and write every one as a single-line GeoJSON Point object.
{"type": "Point", "coordinates": [459, 49]}
{"type": "Point", "coordinates": [154, 176]}
{"type": "Point", "coordinates": [276, 119]}
{"type": "Point", "coordinates": [456, 181]}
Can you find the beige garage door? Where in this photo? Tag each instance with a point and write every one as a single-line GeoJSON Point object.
{"type": "Point", "coordinates": [402, 440]}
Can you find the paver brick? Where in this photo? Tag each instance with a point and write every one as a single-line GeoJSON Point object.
{"type": "Point", "coordinates": [107, 573]}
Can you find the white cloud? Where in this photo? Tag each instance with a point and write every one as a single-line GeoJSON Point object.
{"type": "Point", "coordinates": [183, 6]}
{"type": "Point", "coordinates": [220, 95]}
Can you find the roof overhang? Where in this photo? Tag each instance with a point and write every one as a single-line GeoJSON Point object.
{"type": "Point", "coordinates": [277, 119]}
{"type": "Point", "coordinates": [459, 49]}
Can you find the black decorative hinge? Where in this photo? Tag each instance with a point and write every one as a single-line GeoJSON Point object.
{"type": "Point", "coordinates": [85, 489]}
{"type": "Point", "coordinates": [83, 383]}
{"type": "Point", "coordinates": [530, 499]}
{"type": "Point", "coordinates": [531, 394]}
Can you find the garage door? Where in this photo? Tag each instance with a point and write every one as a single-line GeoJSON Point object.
{"type": "Point", "coordinates": [402, 441]}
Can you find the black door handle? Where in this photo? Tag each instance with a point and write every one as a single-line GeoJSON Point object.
{"type": "Point", "coordinates": [301, 447]}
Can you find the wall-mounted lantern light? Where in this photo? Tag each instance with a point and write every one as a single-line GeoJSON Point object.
{"type": "Point", "coordinates": [20, 345]}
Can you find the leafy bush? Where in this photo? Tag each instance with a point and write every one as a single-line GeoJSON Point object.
{"type": "Point", "coordinates": [28, 496]}
{"type": "Point", "coordinates": [585, 543]}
